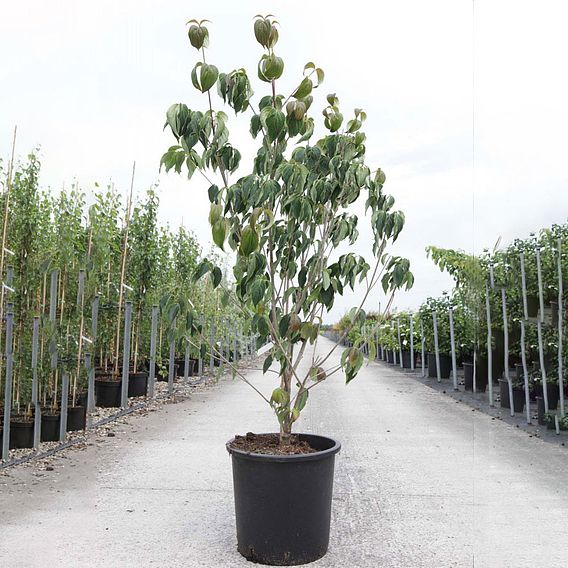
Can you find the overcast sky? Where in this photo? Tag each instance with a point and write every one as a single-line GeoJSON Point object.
{"type": "Point", "coordinates": [467, 110]}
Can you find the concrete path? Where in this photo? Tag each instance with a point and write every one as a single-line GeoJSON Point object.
{"type": "Point", "coordinates": [421, 482]}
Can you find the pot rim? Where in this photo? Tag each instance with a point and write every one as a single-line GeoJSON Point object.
{"type": "Point", "coordinates": [294, 458]}
{"type": "Point", "coordinates": [106, 381]}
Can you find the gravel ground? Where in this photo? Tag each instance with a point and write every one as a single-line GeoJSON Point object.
{"type": "Point", "coordinates": [104, 421]}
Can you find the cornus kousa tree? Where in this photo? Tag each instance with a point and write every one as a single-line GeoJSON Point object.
{"type": "Point", "coordinates": [286, 219]}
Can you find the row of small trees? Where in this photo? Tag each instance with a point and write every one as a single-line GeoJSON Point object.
{"type": "Point", "coordinates": [521, 285]}
{"type": "Point", "coordinates": [63, 253]}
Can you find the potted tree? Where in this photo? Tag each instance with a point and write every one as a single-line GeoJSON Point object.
{"type": "Point", "coordinates": [440, 307]}
{"type": "Point", "coordinates": [407, 339]}
{"type": "Point", "coordinates": [283, 220]}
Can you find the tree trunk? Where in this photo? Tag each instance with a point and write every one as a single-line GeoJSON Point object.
{"type": "Point", "coordinates": [286, 423]}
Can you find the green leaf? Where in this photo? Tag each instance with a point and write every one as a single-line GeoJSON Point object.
{"type": "Point", "coordinates": [219, 231]}
{"type": "Point", "coordinates": [213, 193]}
{"type": "Point", "coordinates": [280, 397]}
{"type": "Point", "coordinates": [273, 121]}
{"type": "Point", "coordinates": [208, 76]}
{"type": "Point", "coordinates": [249, 241]}
{"type": "Point", "coordinates": [202, 268]}
{"type": "Point", "coordinates": [304, 89]}
{"type": "Point", "coordinates": [302, 399]}
{"type": "Point", "coordinates": [267, 363]}
{"type": "Point", "coordinates": [216, 276]}
{"type": "Point", "coordinates": [198, 36]}
{"type": "Point", "coordinates": [257, 290]}
{"type": "Point", "coordinates": [255, 125]}
{"type": "Point", "coordinates": [283, 325]}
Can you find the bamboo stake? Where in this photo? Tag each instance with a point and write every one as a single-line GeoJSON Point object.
{"type": "Point", "coordinates": [123, 269]}
{"type": "Point", "coordinates": [4, 233]}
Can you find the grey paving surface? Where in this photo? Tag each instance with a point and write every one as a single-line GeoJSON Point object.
{"type": "Point", "coordinates": [422, 481]}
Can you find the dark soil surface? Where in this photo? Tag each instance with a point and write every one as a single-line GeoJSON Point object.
{"type": "Point", "coordinates": [269, 444]}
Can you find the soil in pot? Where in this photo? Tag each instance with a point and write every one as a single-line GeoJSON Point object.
{"type": "Point", "coordinates": [283, 502]}
{"type": "Point", "coordinates": [518, 396]}
{"type": "Point", "coordinates": [50, 422]}
{"type": "Point", "coordinates": [445, 366]}
{"type": "Point", "coordinates": [76, 418]}
{"type": "Point", "coordinates": [21, 432]}
{"type": "Point", "coordinates": [108, 391]}
{"type": "Point", "coordinates": [138, 383]}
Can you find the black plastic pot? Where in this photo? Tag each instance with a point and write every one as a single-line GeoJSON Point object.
{"type": "Point", "coordinates": [554, 308]}
{"type": "Point", "coordinates": [445, 366]}
{"type": "Point", "coordinates": [76, 418]}
{"type": "Point", "coordinates": [50, 426]}
{"type": "Point", "coordinates": [533, 305]}
{"type": "Point", "coordinates": [180, 366]}
{"type": "Point", "coordinates": [518, 396]}
{"type": "Point", "coordinates": [21, 433]}
{"type": "Point", "coordinates": [283, 503]}
{"type": "Point", "coordinates": [138, 383]}
{"type": "Point", "coordinates": [481, 377]}
{"type": "Point", "coordinates": [390, 357]}
{"type": "Point", "coordinates": [552, 391]}
{"type": "Point", "coordinates": [406, 360]}
{"type": "Point", "coordinates": [108, 392]}
{"type": "Point", "coordinates": [540, 410]}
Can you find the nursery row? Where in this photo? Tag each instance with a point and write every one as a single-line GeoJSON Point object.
{"type": "Point", "coordinates": [503, 322]}
{"type": "Point", "coordinates": [97, 300]}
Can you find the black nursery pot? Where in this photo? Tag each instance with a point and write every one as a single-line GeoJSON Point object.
{"type": "Point", "coordinates": [533, 305]}
{"type": "Point", "coordinates": [406, 359]}
{"type": "Point", "coordinates": [76, 418]}
{"type": "Point", "coordinates": [390, 357]}
{"type": "Point", "coordinates": [552, 391]}
{"type": "Point", "coordinates": [108, 392]}
{"type": "Point", "coordinates": [50, 426]}
{"type": "Point", "coordinates": [138, 383]}
{"type": "Point", "coordinates": [283, 503]}
{"type": "Point", "coordinates": [21, 433]}
{"type": "Point", "coordinates": [481, 377]}
{"type": "Point", "coordinates": [445, 366]}
{"type": "Point", "coordinates": [518, 396]}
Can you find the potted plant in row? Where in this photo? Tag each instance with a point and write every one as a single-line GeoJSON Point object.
{"type": "Point", "coordinates": [440, 307]}
{"type": "Point", "coordinates": [408, 339]}
{"type": "Point", "coordinates": [283, 220]}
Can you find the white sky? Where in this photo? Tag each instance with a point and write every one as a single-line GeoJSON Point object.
{"type": "Point", "coordinates": [90, 82]}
